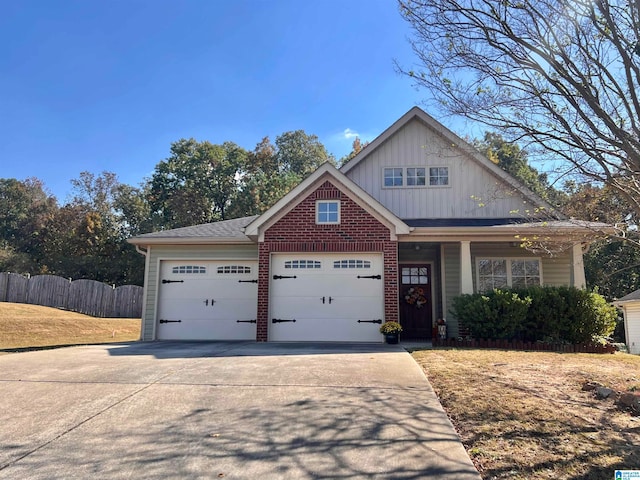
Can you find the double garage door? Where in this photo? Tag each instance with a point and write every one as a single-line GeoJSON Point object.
{"type": "Point", "coordinates": [323, 297]}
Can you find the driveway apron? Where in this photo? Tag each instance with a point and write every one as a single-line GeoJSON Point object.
{"type": "Point", "coordinates": [228, 410]}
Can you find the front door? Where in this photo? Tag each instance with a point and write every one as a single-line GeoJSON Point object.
{"type": "Point", "coordinates": [416, 305]}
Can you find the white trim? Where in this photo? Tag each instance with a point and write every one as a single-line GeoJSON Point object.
{"type": "Point", "coordinates": [466, 272]}
{"type": "Point", "coordinates": [326, 171]}
{"type": "Point", "coordinates": [452, 139]}
{"type": "Point", "coordinates": [508, 259]}
{"type": "Point", "coordinates": [443, 284]}
{"type": "Point", "coordinates": [328, 201]}
{"type": "Point", "coordinates": [577, 265]}
{"type": "Point", "coordinates": [431, 281]}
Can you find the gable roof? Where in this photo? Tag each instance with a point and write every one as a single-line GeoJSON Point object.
{"type": "Point", "coordinates": [340, 181]}
{"type": "Point", "coordinates": [231, 231]}
{"type": "Point", "coordinates": [453, 139]}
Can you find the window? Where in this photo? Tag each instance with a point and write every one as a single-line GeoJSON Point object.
{"type": "Point", "coordinates": [438, 176]}
{"type": "Point", "coordinates": [416, 177]}
{"type": "Point", "coordinates": [234, 269]}
{"type": "Point", "coordinates": [352, 263]}
{"type": "Point", "coordinates": [302, 264]}
{"type": "Point", "coordinates": [328, 211]}
{"type": "Point", "coordinates": [189, 269]}
{"type": "Point", "coordinates": [415, 276]}
{"type": "Point", "coordinates": [507, 272]}
{"type": "Point", "coordinates": [393, 177]}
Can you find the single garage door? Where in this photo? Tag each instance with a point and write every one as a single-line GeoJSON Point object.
{"type": "Point", "coordinates": [209, 300]}
{"type": "Point", "coordinates": [326, 297]}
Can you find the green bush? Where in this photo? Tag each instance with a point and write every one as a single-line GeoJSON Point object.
{"type": "Point", "coordinates": [555, 314]}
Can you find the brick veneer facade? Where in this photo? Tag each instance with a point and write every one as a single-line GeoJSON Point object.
{"type": "Point", "coordinates": [297, 231]}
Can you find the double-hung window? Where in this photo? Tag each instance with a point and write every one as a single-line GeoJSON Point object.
{"type": "Point", "coordinates": [507, 272]}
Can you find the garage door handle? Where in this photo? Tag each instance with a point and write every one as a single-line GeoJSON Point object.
{"type": "Point", "coordinates": [370, 321]}
{"type": "Point", "coordinates": [172, 281]}
{"type": "Point", "coordinates": [170, 321]}
{"type": "Point", "coordinates": [246, 321]}
{"type": "Point", "coordinates": [373, 277]}
{"type": "Point", "coordinates": [279, 320]}
{"type": "Point", "coordinates": [247, 281]}
{"type": "Point", "coordinates": [280, 277]}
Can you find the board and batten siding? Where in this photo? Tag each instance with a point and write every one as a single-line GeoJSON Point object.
{"type": "Point", "coordinates": [474, 192]}
{"type": "Point", "coordinates": [194, 253]}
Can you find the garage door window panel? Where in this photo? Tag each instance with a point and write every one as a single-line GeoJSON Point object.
{"type": "Point", "coordinates": [234, 269]}
{"type": "Point", "coordinates": [189, 269]}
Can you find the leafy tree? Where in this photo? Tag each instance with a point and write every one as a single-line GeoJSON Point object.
{"type": "Point", "coordinates": [612, 265]}
{"type": "Point", "coordinates": [25, 209]}
{"type": "Point", "coordinates": [196, 184]}
{"type": "Point", "coordinates": [356, 148]}
{"type": "Point", "coordinates": [271, 171]}
{"type": "Point", "coordinates": [299, 153]}
{"type": "Point", "coordinates": [562, 75]}
{"type": "Point", "coordinates": [513, 160]}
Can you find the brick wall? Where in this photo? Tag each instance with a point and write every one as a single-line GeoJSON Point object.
{"type": "Point", "coordinates": [297, 231]}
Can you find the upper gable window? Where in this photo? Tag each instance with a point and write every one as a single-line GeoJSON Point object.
{"type": "Point", "coordinates": [416, 177]}
{"type": "Point", "coordinates": [393, 177]}
{"type": "Point", "coordinates": [328, 212]}
{"type": "Point", "coordinates": [438, 176]}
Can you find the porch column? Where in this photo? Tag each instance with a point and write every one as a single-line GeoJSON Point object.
{"type": "Point", "coordinates": [466, 276]}
{"type": "Point", "coordinates": [579, 280]}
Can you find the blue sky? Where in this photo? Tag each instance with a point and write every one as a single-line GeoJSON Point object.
{"type": "Point", "coordinates": [97, 85]}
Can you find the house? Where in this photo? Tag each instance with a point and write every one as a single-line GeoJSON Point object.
{"type": "Point", "coordinates": [630, 305]}
{"type": "Point", "coordinates": [415, 219]}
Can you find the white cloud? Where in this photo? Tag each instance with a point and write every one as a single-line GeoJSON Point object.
{"type": "Point", "coordinates": [349, 134]}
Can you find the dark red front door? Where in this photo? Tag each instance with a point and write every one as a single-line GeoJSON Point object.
{"type": "Point", "coordinates": [416, 305]}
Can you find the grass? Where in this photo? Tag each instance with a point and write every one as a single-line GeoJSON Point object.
{"type": "Point", "coordinates": [23, 326]}
{"type": "Point", "coordinates": [523, 415]}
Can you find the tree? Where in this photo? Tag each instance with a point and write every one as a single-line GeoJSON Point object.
{"type": "Point", "coordinates": [356, 148]}
{"type": "Point", "coordinates": [611, 265]}
{"type": "Point", "coordinates": [196, 184]}
{"type": "Point", "coordinates": [565, 76]}
{"type": "Point", "coordinates": [25, 210]}
{"type": "Point", "coordinates": [271, 171]}
{"type": "Point", "coordinates": [513, 160]}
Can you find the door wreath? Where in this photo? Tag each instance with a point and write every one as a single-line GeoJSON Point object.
{"type": "Point", "coordinates": [415, 296]}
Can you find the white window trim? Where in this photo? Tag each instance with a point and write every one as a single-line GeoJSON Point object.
{"type": "Point", "coordinates": [428, 173]}
{"type": "Point", "coordinates": [509, 274]}
{"type": "Point", "coordinates": [392, 187]}
{"type": "Point", "coordinates": [405, 177]}
{"type": "Point", "coordinates": [318, 202]}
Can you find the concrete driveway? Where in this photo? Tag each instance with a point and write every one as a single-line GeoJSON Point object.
{"type": "Point", "coordinates": [223, 410]}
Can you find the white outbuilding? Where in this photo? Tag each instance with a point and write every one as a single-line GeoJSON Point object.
{"type": "Point", "coordinates": [630, 305]}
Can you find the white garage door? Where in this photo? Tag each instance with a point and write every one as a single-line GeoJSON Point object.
{"type": "Point", "coordinates": [337, 297]}
{"type": "Point", "coordinates": [207, 300]}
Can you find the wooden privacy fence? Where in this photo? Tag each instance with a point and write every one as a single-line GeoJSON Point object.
{"type": "Point", "coordinates": [83, 296]}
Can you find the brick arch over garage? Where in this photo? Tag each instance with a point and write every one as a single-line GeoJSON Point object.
{"type": "Point", "coordinates": [297, 232]}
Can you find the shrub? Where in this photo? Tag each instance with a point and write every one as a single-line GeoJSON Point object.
{"type": "Point", "coordinates": [557, 314]}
